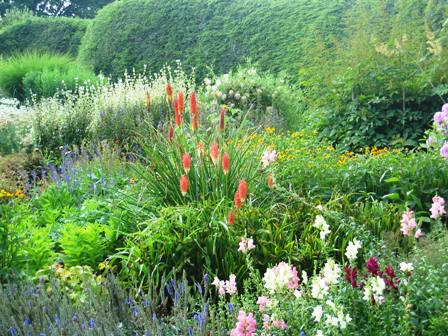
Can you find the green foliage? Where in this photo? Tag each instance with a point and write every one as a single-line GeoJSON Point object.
{"type": "Point", "coordinates": [220, 34]}
{"type": "Point", "coordinates": [379, 82]}
{"type": "Point", "coordinates": [86, 245]}
{"type": "Point", "coordinates": [40, 74]}
{"type": "Point", "coordinates": [54, 35]}
{"type": "Point", "coordinates": [429, 286]}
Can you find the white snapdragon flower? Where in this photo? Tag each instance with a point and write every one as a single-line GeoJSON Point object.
{"type": "Point", "coordinates": [406, 267]}
{"type": "Point", "coordinates": [352, 249]}
{"type": "Point", "coordinates": [317, 313]}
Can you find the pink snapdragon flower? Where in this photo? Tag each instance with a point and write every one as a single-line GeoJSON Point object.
{"type": "Point", "coordinates": [419, 233]}
{"type": "Point", "coordinates": [444, 150]}
{"type": "Point", "coordinates": [246, 245]}
{"type": "Point", "coordinates": [269, 156]}
{"type": "Point", "coordinates": [279, 324]}
{"type": "Point", "coordinates": [231, 285]}
{"type": "Point", "coordinates": [408, 222]}
{"type": "Point", "coordinates": [438, 207]}
{"type": "Point", "coordinates": [262, 302]}
{"type": "Point", "coordinates": [246, 325]}
{"type": "Point", "coordinates": [220, 286]}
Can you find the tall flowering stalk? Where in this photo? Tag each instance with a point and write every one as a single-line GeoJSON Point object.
{"type": "Point", "coordinates": [169, 94]}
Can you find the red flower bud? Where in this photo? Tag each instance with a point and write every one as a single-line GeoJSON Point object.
{"type": "Point", "coordinates": [225, 161]}
{"type": "Point", "coordinates": [186, 162]}
{"type": "Point", "coordinates": [214, 153]}
{"type": "Point", "coordinates": [194, 109]}
{"type": "Point", "coordinates": [242, 190]}
{"type": "Point", "coordinates": [169, 93]}
{"type": "Point", "coordinates": [170, 133]}
{"type": "Point", "coordinates": [183, 183]}
{"type": "Point", "coordinates": [231, 217]}
{"type": "Point", "coordinates": [237, 200]}
{"type": "Point", "coordinates": [177, 116]}
{"type": "Point", "coordinates": [181, 102]}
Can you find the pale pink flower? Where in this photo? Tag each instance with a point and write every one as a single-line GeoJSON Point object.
{"type": "Point", "coordinates": [231, 285]}
{"type": "Point", "coordinates": [269, 156]}
{"type": "Point", "coordinates": [279, 324]}
{"type": "Point", "coordinates": [246, 245]}
{"type": "Point", "coordinates": [250, 244]}
{"type": "Point", "coordinates": [262, 302]}
{"type": "Point", "coordinates": [243, 245]}
{"type": "Point", "coordinates": [266, 320]}
{"type": "Point", "coordinates": [220, 286]}
{"type": "Point", "coordinates": [438, 207]}
{"type": "Point", "coordinates": [419, 233]}
{"type": "Point", "coordinates": [408, 222]}
{"type": "Point", "coordinates": [246, 325]}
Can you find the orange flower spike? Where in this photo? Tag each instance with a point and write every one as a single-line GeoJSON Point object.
{"type": "Point", "coordinates": [170, 133]}
{"type": "Point", "coordinates": [271, 180]}
{"type": "Point", "coordinates": [242, 190]}
{"type": "Point", "coordinates": [177, 116]}
{"type": "Point", "coordinates": [186, 162]}
{"type": "Point", "coordinates": [231, 217]}
{"type": "Point", "coordinates": [183, 183]}
{"type": "Point", "coordinates": [194, 123]}
{"type": "Point", "coordinates": [225, 161]}
{"type": "Point", "coordinates": [237, 200]}
{"type": "Point", "coordinates": [214, 153]}
{"type": "Point", "coordinates": [222, 119]}
{"type": "Point", "coordinates": [169, 93]}
{"type": "Point", "coordinates": [181, 102]}
{"type": "Point", "coordinates": [148, 102]}
{"type": "Point", "coordinates": [194, 109]}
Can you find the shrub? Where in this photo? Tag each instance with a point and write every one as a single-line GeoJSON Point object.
{"type": "Point", "coordinates": [54, 35]}
{"type": "Point", "coordinates": [41, 74]}
{"type": "Point", "coordinates": [132, 33]}
{"type": "Point", "coordinates": [259, 99]}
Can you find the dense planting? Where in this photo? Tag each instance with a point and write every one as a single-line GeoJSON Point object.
{"type": "Point", "coordinates": [306, 200]}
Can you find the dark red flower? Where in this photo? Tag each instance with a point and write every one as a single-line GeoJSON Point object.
{"type": "Point", "coordinates": [373, 266]}
{"type": "Point", "coordinates": [351, 275]}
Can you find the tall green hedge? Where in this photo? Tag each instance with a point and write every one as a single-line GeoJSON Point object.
{"type": "Point", "coordinates": [220, 34]}
{"type": "Point", "coordinates": [60, 35]}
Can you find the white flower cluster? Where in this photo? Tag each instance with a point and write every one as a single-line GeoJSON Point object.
{"type": "Point", "coordinates": [321, 224]}
{"type": "Point", "coordinates": [320, 285]}
{"type": "Point", "coordinates": [334, 316]}
{"type": "Point", "coordinates": [280, 277]}
{"type": "Point", "coordinates": [352, 249]}
{"type": "Point", "coordinates": [375, 288]}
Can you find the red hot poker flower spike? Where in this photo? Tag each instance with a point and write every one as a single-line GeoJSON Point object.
{"type": "Point", "coordinates": [183, 184]}
{"type": "Point", "coordinates": [225, 161]}
{"type": "Point", "coordinates": [242, 190]}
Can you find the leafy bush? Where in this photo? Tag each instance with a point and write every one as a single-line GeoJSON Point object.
{"type": "Point", "coordinates": [377, 86]}
{"type": "Point", "coordinates": [132, 33]}
{"type": "Point", "coordinates": [86, 245]}
{"type": "Point", "coordinates": [54, 35]}
{"type": "Point", "coordinates": [42, 74]}
{"type": "Point", "coordinates": [259, 99]}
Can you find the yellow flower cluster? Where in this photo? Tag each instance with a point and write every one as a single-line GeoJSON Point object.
{"type": "Point", "coordinates": [8, 195]}
{"type": "Point", "coordinates": [375, 150]}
